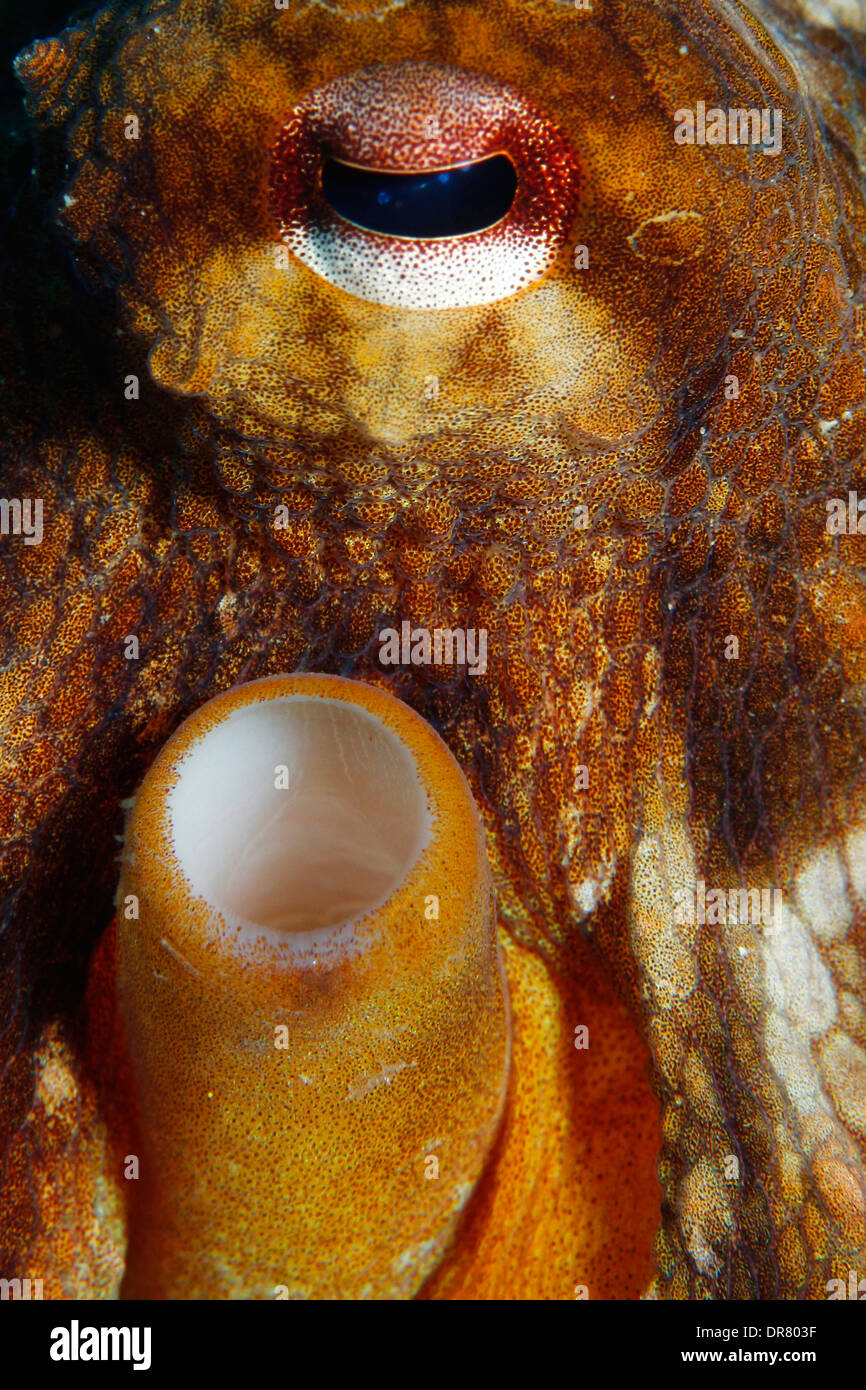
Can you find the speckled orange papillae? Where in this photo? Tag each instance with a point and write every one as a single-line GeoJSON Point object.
{"type": "Point", "coordinates": [433, 466]}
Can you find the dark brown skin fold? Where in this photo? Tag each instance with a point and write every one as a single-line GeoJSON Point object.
{"type": "Point", "coordinates": [738, 763]}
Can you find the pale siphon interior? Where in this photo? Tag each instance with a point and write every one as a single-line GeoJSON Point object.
{"type": "Point", "coordinates": [298, 813]}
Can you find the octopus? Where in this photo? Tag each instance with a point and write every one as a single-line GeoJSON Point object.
{"type": "Point", "coordinates": [265, 402]}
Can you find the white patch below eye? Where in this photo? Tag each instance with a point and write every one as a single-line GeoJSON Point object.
{"type": "Point", "coordinates": [451, 273]}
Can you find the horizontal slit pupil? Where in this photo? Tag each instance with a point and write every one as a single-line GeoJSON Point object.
{"type": "Point", "coordinates": [436, 203]}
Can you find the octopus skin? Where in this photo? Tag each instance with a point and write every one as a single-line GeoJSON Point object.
{"type": "Point", "coordinates": [557, 458]}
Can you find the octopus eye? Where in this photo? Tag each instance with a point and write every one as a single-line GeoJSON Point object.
{"type": "Point", "coordinates": [434, 203]}
{"type": "Point", "coordinates": [422, 186]}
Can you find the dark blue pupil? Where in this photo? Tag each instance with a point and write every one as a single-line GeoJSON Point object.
{"type": "Point", "coordinates": [445, 202]}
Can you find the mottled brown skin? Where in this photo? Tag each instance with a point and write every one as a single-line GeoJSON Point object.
{"type": "Point", "coordinates": [602, 387]}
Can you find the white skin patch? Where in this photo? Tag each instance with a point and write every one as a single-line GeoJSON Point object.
{"type": "Point", "coordinates": [798, 982]}
{"type": "Point", "coordinates": [456, 273]}
{"type": "Point", "coordinates": [794, 1065]}
{"type": "Point", "coordinates": [825, 883]}
{"type": "Point", "coordinates": [587, 895]}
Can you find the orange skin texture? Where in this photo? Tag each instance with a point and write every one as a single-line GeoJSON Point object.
{"type": "Point", "coordinates": [549, 1219]}
{"type": "Point", "coordinates": [263, 386]}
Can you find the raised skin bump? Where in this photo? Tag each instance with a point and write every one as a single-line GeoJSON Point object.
{"type": "Point", "coordinates": [432, 465]}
